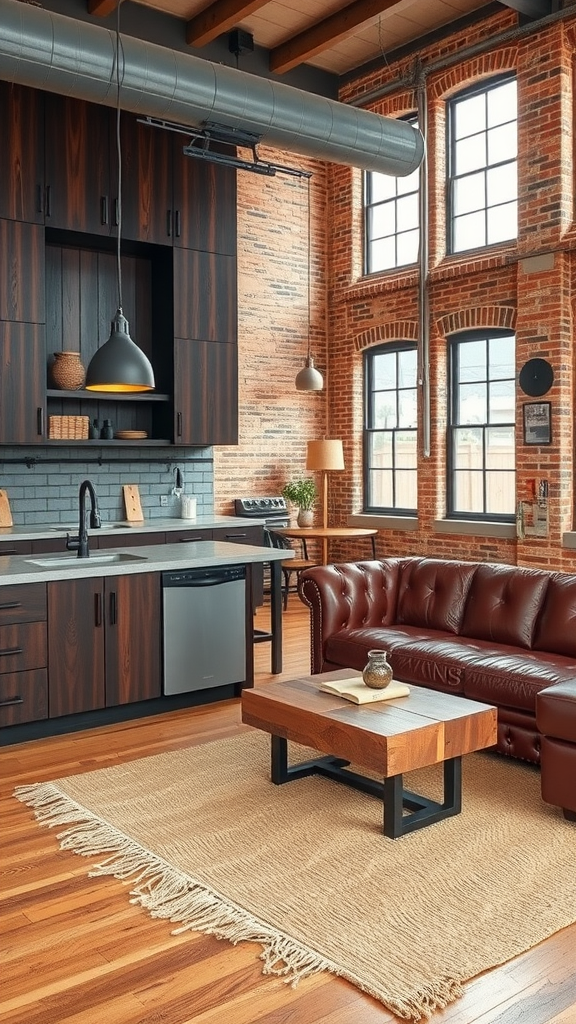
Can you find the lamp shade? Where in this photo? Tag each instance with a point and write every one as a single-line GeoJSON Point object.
{"type": "Point", "coordinates": [325, 454]}
{"type": "Point", "coordinates": [119, 365]}
{"type": "Point", "coordinates": [309, 378]}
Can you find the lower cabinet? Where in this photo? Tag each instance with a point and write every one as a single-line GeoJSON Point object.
{"type": "Point", "coordinates": [104, 642]}
{"type": "Point", "coordinates": [23, 654]}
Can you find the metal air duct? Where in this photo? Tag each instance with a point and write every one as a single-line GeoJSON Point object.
{"type": "Point", "coordinates": [75, 58]}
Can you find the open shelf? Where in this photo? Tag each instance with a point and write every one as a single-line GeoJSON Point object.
{"type": "Point", "coordinates": [106, 396]}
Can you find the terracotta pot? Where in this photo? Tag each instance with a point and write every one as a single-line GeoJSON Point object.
{"type": "Point", "coordinates": [67, 373]}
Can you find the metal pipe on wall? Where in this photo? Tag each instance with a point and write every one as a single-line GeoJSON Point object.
{"type": "Point", "coordinates": [49, 51]}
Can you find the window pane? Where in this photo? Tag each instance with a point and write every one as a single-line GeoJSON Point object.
{"type": "Point", "coordinates": [501, 402]}
{"type": "Point", "coordinates": [406, 493]}
{"type": "Point", "coordinates": [502, 144]}
{"type": "Point", "coordinates": [470, 154]}
{"type": "Point", "coordinates": [502, 103]}
{"type": "Point", "coordinates": [472, 361]}
{"type": "Point", "coordinates": [501, 184]}
{"type": "Point", "coordinates": [502, 358]}
{"type": "Point", "coordinates": [407, 409]}
{"type": "Point", "coordinates": [468, 491]}
{"type": "Point", "coordinates": [406, 449]}
{"type": "Point", "coordinates": [407, 213]}
{"type": "Point", "coordinates": [381, 220]}
{"type": "Point", "coordinates": [468, 450]}
{"type": "Point", "coordinates": [472, 403]}
{"type": "Point", "coordinates": [407, 368]}
{"type": "Point", "coordinates": [381, 255]}
{"type": "Point", "coordinates": [407, 248]}
{"type": "Point", "coordinates": [470, 115]}
{"type": "Point", "coordinates": [500, 496]}
{"type": "Point", "coordinates": [380, 485]}
{"type": "Point", "coordinates": [385, 410]}
{"type": "Point", "coordinates": [500, 452]}
{"type": "Point", "coordinates": [381, 186]}
{"type": "Point", "coordinates": [469, 232]}
{"type": "Point", "coordinates": [470, 193]}
{"type": "Point", "coordinates": [411, 183]}
{"type": "Point", "coordinates": [384, 369]}
{"type": "Point", "coordinates": [502, 223]}
{"type": "Point", "coordinates": [380, 452]}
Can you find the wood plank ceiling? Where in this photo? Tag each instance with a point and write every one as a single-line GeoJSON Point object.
{"type": "Point", "coordinates": [329, 34]}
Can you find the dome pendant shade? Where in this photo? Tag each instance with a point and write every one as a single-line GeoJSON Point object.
{"type": "Point", "coordinates": [309, 378]}
{"type": "Point", "coordinates": [119, 365]}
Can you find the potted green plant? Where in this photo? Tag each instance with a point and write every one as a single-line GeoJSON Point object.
{"type": "Point", "coordinates": [302, 493]}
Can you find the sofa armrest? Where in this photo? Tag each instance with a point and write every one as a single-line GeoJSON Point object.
{"type": "Point", "coordinates": [349, 595]}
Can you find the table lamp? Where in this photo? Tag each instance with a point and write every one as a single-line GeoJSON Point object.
{"type": "Point", "coordinates": [325, 455]}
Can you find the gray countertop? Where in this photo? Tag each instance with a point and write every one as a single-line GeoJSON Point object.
{"type": "Point", "coordinates": [205, 522]}
{"type": "Point", "coordinates": [145, 558]}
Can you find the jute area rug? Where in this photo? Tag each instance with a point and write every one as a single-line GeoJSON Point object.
{"type": "Point", "coordinates": [208, 842]}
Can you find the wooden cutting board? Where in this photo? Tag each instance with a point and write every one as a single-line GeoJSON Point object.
{"type": "Point", "coordinates": [133, 503]}
{"type": "Point", "coordinates": [5, 513]}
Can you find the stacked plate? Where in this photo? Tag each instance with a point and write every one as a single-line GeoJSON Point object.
{"type": "Point", "coordinates": [130, 435]}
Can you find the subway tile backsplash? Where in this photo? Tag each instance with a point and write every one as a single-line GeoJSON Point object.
{"type": "Point", "coordinates": [42, 485]}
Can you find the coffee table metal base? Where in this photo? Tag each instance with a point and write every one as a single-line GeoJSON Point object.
{"type": "Point", "coordinates": [395, 798]}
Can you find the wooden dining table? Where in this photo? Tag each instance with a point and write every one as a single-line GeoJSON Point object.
{"type": "Point", "coordinates": [327, 533]}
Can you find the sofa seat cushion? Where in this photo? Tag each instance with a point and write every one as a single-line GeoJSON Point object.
{"type": "Point", "coordinates": [514, 679]}
{"type": "Point", "coordinates": [439, 662]}
{"type": "Point", "coordinates": [349, 647]}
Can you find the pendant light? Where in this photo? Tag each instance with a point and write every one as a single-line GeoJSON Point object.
{"type": "Point", "coordinates": [119, 365]}
{"type": "Point", "coordinates": [309, 378]}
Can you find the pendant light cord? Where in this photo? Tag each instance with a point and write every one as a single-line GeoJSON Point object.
{"type": "Point", "coordinates": [309, 267]}
{"type": "Point", "coordinates": [119, 50]}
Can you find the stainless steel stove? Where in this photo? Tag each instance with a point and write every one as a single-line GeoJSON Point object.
{"type": "Point", "coordinates": [272, 510]}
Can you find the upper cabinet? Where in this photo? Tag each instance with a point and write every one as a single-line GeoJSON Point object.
{"type": "Point", "coordinates": [207, 192]}
{"type": "Point", "coordinates": [80, 175]}
{"type": "Point", "coordinates": [21, 153]}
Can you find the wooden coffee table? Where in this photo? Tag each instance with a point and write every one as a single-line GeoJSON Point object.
{"type": "Point", "coordinates": [387, 737]}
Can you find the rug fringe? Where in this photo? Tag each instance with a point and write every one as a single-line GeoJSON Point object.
{"type": "Point", "coordinates": [170, 894]}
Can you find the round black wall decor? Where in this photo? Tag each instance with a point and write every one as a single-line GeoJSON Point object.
{"type": "Point", "coordinates": [536, 377]}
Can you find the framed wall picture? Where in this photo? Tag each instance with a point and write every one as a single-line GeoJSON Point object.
{"type": "Point", "coordinates": [537, 422]}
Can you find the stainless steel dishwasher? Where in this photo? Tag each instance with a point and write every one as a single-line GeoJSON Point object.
{"type": "Point", "coordinates": [204, 628]}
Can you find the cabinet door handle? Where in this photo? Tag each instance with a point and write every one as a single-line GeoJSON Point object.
{"type": "Point", "coordinates": [48, 201]}
{"type": "Point", "coordinates": [10, 604]}
{"type": "Point", "coordinates": [104, 209]}
{"type": "Point", "coordinates": [234, 536]}
{"type": "Point", "coordinates": [5, 652]}
{"type": "Point", "coordinates": [40, 199]}
{"type": "Point", "coordinates": [8, 551]}
{"type": "Point", "coordinates": [97, 610]}
{"type": "Point", "coordinates": [169, 223]}
{"type": "Point", "coordinates": [113, 608]}
{"type": "Point", "coordinates": [116, 212]}
{"type": "Point", "coordinates": [177, 224]}
{"type": "Point", "coordinates": [11, 700]}
{"type": "Point", "coordinates": [40, 421]}
{"type": "Point", "coordinates": [186, 540]}
{"type": "Point", "coordinates": [179, 424]}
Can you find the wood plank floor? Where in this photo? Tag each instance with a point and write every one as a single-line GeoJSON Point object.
{"type": "Point", "coordinates": [74, 951]}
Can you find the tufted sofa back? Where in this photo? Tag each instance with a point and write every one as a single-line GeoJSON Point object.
{"type": "Point", "coordinates": [433, 593]}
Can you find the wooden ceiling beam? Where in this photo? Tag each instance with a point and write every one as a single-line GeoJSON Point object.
{"type": "Point", "coordinates": [102, 8]}
{"type": "Point", "coordinates": [219, 17]}
{"type": "Point", "coordinates": [325, 33]}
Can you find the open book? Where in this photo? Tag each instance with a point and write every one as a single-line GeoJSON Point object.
{"type": "Point", "coordinates": [357, 691]}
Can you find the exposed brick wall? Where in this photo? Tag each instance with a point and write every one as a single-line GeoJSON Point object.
{"type": "Point", "coordinates": [504, 286]}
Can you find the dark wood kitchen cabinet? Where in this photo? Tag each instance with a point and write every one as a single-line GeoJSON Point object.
{"type": "Point", "coordinates": [21, 153]}
{"type": "Point", "coordinates": [104, 642]}
{"type": "Point", "coordinates": [207, 193]}
{"type": "Point", "coordinates": [23, 654]}
{"type": "Point", "coordinates": [22, 371]}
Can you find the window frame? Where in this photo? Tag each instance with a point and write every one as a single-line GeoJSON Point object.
{"type": "Point", "coordinates": [368, 206]}
{"type": "Point", "coordinates": [477, 88]}
{"type": "Point", "coordinates": [369, 429]}
{"type": "Point", "coordinates": [454, 341]}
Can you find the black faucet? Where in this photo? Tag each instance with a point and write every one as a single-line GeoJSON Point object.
{"type": "Point", "coordinates": [80, 543]}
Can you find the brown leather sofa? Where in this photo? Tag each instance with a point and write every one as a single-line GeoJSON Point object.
{"type": "Point", "coordinates": [490, 632]}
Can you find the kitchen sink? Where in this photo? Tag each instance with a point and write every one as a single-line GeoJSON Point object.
{"type": "Point", "coordinates": [71, 560]}
{"type": "Point", "coordinates": [73, 527]}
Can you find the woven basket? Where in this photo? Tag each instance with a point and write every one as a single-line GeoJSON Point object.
{"type": "Point", "coordinates": [63, 428]}
{"type": "Point", "coordinates": [67, 371]}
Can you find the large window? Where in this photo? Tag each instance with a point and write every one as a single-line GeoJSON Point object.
{"type": "Point", "coordinates": [482, 166]}
{"type": "Point", "coordinates": [481, 453]}
{"type": "Point", "coordinates": [390, 439]}
{"type": "Point", "coordinates": [391, 219]}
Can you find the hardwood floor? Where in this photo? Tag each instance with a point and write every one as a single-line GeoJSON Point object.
{"type": "Point", "coordinates": [74, 950]}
